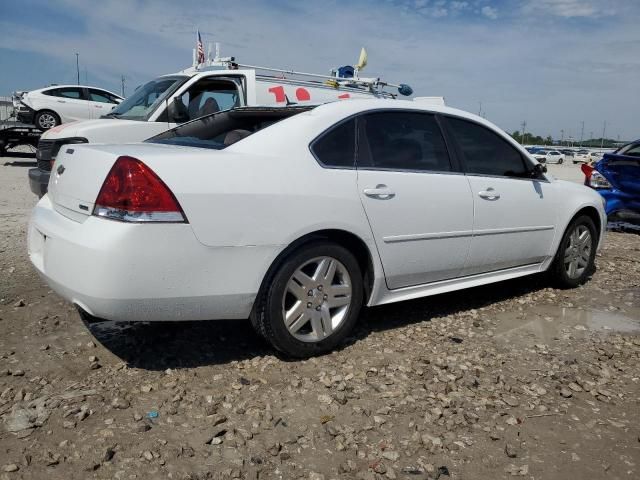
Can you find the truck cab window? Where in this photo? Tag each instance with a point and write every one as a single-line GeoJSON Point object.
{"type": "Point", "coordinates": [210, 96]}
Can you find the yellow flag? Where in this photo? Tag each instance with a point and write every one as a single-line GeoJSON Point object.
{"type": "Point", "coordinates": [362, 62]}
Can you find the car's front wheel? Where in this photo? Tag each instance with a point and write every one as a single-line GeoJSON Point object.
{"type": "Point", "coordinates": [574, 261]}
{"type": "Point", "coordinates": [312, 301]}
{"type": "Point", "coordinates": [46, 119]}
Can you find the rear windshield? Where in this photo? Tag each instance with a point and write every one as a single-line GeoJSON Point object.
{"type": "Point", "coordinates": [222, 129]}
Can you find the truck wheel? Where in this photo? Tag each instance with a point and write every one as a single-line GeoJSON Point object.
{"type": "Point", "coordinates": [46, 119]}
{"type": "Point", "coordinates": [312, 301]}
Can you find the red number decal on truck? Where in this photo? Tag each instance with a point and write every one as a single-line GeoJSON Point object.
{"type": "Point", "coordinates": [302, 94]}
{"type": "Point", "coordinates": [279, 93]}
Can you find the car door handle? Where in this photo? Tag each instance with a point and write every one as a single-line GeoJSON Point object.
{"type": "Point", "coordinates": [489, 194]}
{"type": "Point", "coordinates": [61, 101]}
{"type": "Point", "coordinates": [381, 192]}
{"type": "Point", "coordinates": [98, 106]}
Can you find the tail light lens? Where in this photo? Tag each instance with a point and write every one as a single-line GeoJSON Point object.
{"type": "Point", "coordinates": [593, 178]}
{"type": "Point", "coordinates": [132, 192]}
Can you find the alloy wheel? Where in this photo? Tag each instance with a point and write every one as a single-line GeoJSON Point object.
{"type": "Point", "coordinates": [317, 299]}
{"type": "Point", "coordinates": [46, 120]}
{"type": "Point", "coordinates": [578, 252]}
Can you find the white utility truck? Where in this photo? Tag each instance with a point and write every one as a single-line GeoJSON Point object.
{"type": "Point", "coordinates": [215, 85]}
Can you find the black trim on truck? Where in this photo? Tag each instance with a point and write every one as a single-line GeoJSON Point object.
{"type": "Point", "coordinates": [47, 151]}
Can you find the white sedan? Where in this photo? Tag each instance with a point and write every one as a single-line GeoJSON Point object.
{"type": "Point", "coordinates": [52, 106]}
{"type": "Point", "coordinates": [549, 156]}
{"type": "Point", "coordinates": [297, 217]}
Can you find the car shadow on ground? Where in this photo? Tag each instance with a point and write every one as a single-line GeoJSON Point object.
{"type": "Point", "coordinates": [175, 345]}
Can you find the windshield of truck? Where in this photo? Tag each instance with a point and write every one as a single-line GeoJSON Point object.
{"type": "Point", "coordinates": [141, 104]}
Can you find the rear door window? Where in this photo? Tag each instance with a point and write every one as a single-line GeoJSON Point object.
{"type": "Point", "coordinates": [72, 92]}
{"type": "Point", "coordinates": [486, 153]}
{"type": "Point", "coordinates": [402, 141]}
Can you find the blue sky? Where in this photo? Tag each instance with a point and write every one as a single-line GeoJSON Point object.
{"type": "Point", "coordinates": [553, 63]}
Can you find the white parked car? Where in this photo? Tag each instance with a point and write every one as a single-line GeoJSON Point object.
{"type": "Point", "coordinates": [297, 217]}
{"type": "Point", "coordinates": [549, 156]}
{"type": "Point", "coordinates": [52, 106]}
{"type": "Point", "coordinates": [586, 156]}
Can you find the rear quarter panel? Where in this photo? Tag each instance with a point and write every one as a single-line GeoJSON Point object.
{"type": "Point", "coordinates": [237, 199]}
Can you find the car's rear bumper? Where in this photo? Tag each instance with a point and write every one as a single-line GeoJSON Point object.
{"type": "Point", "coordinates": [129, 272]}
{"type": "Point", "coordinates": [24, 113]}
{"type": "Point", "coordinates": [38, 181]}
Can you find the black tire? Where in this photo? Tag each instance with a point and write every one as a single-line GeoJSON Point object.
{"type": "Point", "coordinates": [558, 271]}
{"type": "Point", "coordinates": [40, 120]}
{"type": "Point", "coordinates": [268, 318]}
{"type": "Point", "coordinates": [575, 162]}
{"type": "Point", "coordinates": [560, 161]}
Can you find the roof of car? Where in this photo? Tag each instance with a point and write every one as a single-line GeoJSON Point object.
{"type": "Point", "coordinates": [74, 86]}
{"type": "Point", "coordinates": [353, 106]}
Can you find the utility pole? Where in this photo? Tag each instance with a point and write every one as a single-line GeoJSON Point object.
{"type": "Point", "coordinates": [78, 67]}
{"type": "Point", "coordinates": [604, 129]}
{"type": "Point", "coordinates": [524, 126]}
{"type": "Point", "coordinates": [122, 80]}
{"type": "Point", "coordinates": [591, 139]}
{"type": "Point", "coordinates": [561, 136]}
{"type": "Point", "coordinates": [480, 109]}
{"type": "Point", "coordinates": [582, 133]}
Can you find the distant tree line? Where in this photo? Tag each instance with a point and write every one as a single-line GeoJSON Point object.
{"type": "Point", "coordinates": [531, 139]}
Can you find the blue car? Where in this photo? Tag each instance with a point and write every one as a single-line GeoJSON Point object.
{"type": "Point", "coordinates": [617, 178]}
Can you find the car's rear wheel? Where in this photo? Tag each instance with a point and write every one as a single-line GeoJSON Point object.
{"type": "Point", "coordinates": [312, 301]}
{"type": "Point", "coordinates": [574, 261]}
{"type": "Point", "coordinates": [560, 161]}
{"type": "Point", "coordinates": [46, 119]}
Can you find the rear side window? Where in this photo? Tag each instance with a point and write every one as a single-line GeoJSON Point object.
{"type": "Point", "coordinates": [485, 152]}
{"type": "Point", "coordinates": [402, 141]}
{"type": "Point", "coordinates": [65, 93]}
{"type": "Point", "coordinates": [337, 147]}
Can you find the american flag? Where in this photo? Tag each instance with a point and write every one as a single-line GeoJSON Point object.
{"type": "Point", "coordinates": [200, 49]}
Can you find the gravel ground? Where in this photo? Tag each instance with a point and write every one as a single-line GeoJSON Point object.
{"type": "Point", "coordinates": [511, 380]}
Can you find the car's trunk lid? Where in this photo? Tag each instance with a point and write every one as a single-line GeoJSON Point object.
{"type": "Point", "coordinates": [76, 178]}
{"type": "Point", "coordinates": [623, 172]}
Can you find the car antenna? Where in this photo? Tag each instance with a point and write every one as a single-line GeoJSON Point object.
{"type": "Point", "coordinates": [288, 101]}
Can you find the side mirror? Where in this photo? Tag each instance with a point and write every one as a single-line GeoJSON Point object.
{"type": "Point", "coordinates": [538, 170]}
{"type": "Point", "coordinates": [177, 112]}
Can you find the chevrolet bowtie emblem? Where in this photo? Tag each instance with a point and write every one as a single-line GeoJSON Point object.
{"type": "Point", "coordinates": [60, 169]}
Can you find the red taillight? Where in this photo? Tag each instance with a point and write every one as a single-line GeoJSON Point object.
{"type": "Point", "coordinates": [132, 192]}
{"type": "Point", "coordinates": [587, 170]}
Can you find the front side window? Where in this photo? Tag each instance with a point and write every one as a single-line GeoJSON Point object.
{"type": "Point", "coordinates": [209, 96]}
{"type": "Point", "coordinates": [337, 146]}
{"type": "Point", "coordinates": [485, 152]}
{"type": "Point", "coordinates": [101, 96]}
{"type": "Point", "coordinates": [143, 102]}
{"type": "Point", "coordinates": [402, 141]}
{"type": "Point", "coordinates": [74, 93]}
